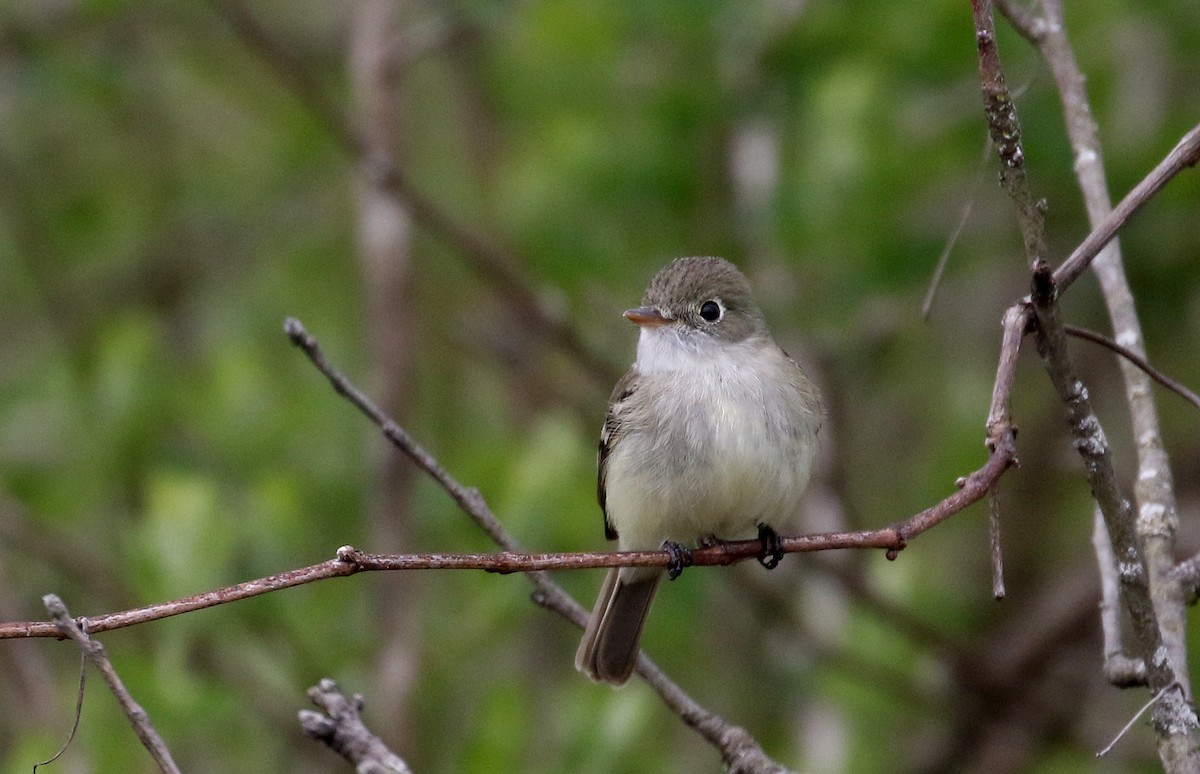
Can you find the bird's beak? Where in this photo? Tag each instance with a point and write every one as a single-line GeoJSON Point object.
{"type": "Point", "coordinates": [647, 317]}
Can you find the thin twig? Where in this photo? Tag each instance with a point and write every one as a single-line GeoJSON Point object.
{"type": "Point", "coordinates": [964, 215]}
{"type": "Point", "coordinates": [467, 498]}
{"type": "Point", "coordinates": [1185, 154]}
{"type": "Point", "coordinates": [1120, 669]}
{"type": "Point", "coordinates": [78, 713]}
{"type": "Point", "coordinates": [133, 711]}
{"type": "Point", "coordinates": [1024, 21]}
{"type": "Point", "coordinates": [1136, 359]}
{"type": "Point", "coordinates": [1108, 748]}
{"type": "Point", "coordinates": [994, 537]}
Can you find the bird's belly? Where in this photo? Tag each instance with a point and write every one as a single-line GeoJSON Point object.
{"type": "Point", "coordinates": [722, 469]}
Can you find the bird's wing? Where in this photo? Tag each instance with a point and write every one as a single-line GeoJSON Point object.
{"type": "Point", "coordinates": [610, 435]}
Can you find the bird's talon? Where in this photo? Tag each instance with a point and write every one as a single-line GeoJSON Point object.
{"type": "Point", "coordinates": [771, 552]}
{"type": "Point", "coordinates": [681, 557]}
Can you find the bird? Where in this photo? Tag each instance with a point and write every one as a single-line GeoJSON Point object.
{"type": "Point", "coordinates": [710, 435]}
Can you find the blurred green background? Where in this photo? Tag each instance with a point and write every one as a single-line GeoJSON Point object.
{"type": "Point", "coordinates": [173, 183]}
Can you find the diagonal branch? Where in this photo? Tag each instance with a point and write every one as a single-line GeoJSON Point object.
{"type": "Point", "coordinates": [1172, 718]}
{"type": "Point", "coordinates": [740, 751]}
{"type": "Point", "coordinates": [1136, 359]}
{"type": "Point", "coordinates": [66, 627]}
{"type": "Point", "coordinates": [1184, 155]}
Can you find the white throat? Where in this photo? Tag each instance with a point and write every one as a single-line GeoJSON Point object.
{"type": "Point", "coordinates": [669, 349]}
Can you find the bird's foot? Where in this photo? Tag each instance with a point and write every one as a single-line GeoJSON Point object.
{"type": "Point", "coordinates": [681, 557]}
{"type": "Point", "coordinates": [771, 552]}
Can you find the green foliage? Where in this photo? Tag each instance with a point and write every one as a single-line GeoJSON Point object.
{"type": "Point", "coordinates": [166, 199]}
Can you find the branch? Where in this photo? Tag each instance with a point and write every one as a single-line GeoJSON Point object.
{"type": "Point", "coordinates": [1185, 154]}
{"type": "Point", "coordinates": [342, 730]}
{"type": "Point", "coordinates": [1005, 131]}
{"type": "Point", "coordinates": [1090, 442]}
{"type": "Point", "coordinates": [467, 498]}
{"type": "Point", "coordinates": [350, 561]}
{"type": "Point", "coordinates": [138, 718]}
{"type": "Point", "coordinates": [1157, 516]}
{"type": "Point", "coordinates": [1120, 669]}
{"type": "Point", "coordinates": [738, 749]}
{"type": "Point", "coordinates": [1136, 359]}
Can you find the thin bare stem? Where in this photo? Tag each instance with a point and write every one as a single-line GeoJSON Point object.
{"type": "Point", "coordinates": [1125, 729]}
{"type": "Point", "coordinates": [1120, 669]}
{"type": "Point", "coordinates": [964, 215]}
{"type": "Point", "coordinates": [1185, 154]}
{"type": "Point", "coordinates": [1137, 360]}
{"type": "Point", "coordinates": [994, 537]}
{"type": "Point", "coordinates": [83, 659]}
{"type": "Point", "coordinates": [95, 652]}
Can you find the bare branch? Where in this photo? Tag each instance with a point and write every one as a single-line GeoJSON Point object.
{"type": "Point", "coordinates": [138, 718]}
{"type": "Point", "coordinates": [1022, 19]}
{"type": "Point", "coordinates": [1137, 360]}
{"type": "Point", "coordinates": [1120, 669]}
{"type": "Point", "coordinates": [1165, 648]}
{"type": "Point", "coordinates": [739, 750]}
{"type": "Point", "coordinates": [997, 552]}
{"type": "Point", "coordinates": [1125, 729]}
{"type": "Point", "coordinates": [1005, 130]}
{"type": "Point", "coordinates": [83, 662]}
{"type": "Point", "coordinates": [964, 215]}
{"type": "Point", "coordinates": [1185, 154]}
{"type": "Point", "coordinates": [1092, 446]}
{"type": "Point", "coordinates": [469, 499]}
{"type": "Point", "coordinates": [332, 569]}
{"type": "Point", "coordinates": [341, 728]}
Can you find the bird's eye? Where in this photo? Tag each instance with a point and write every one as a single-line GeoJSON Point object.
{"type": "Point", "coordinates": [711, 310]}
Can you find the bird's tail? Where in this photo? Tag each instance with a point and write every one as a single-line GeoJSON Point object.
{"type": "Point", "coordinates": [609, 649]}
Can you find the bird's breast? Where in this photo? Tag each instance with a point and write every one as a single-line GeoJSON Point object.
{"type": "Point", "coordinates": [714, 448]}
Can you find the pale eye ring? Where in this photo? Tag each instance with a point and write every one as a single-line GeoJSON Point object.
{"type": "Point", "coordinates": [712, 310]}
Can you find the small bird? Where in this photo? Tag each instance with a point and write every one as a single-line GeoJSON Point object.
{"type": "Point", "coordinates": [710, 435]}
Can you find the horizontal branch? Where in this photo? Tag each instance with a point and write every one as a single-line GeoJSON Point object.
{"type": "Point", "coordinates": [350, 560]}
